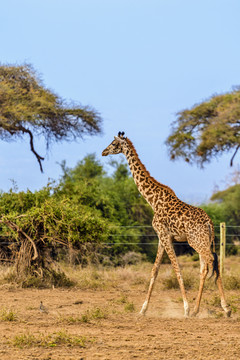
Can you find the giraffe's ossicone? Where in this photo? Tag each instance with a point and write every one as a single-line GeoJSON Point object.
{"type": "Point", "coordinates": [173, 220]}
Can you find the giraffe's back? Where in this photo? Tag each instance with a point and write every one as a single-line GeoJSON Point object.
{"type": "Point", "coordinates": [184, 220]}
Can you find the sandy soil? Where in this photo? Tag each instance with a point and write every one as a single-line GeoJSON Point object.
{"type": "Point", "coordinates": [162, 334]}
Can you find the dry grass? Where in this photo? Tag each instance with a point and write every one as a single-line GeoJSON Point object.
{"type": "Point", "coordinates": [190, 273]}
{"type": "Point", "coordinates": [8, 315]}
{"type": "Point", "coordinates": [129, 307]}
{"type": "Point", "coordinates": [169, 280]}
{"type": "Point", "coordinates": [105, 278]}
{"type": "Point", "coordinates": [99, 316]}
{"type": "Point", "coordinates": [50, 340]}
{"type": "Point", "coordinates": [88, 316]}
{"type": "Point", "coordinates": [231, 282]}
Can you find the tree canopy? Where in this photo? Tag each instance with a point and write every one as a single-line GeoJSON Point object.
{"type": "Point", "coordinates": [27, 107]}
{"type": "Point", "coordinates": [207, 130]}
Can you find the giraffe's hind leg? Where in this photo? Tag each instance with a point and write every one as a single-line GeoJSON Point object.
{"type": "Point", "coordinates": [206, 263]}
{"type": "Point", "coordinates": [216, 268]}
{"type": "Point", "coordinates": [153, 277]}
{"type": "Point", "coordinates": [224, 304]}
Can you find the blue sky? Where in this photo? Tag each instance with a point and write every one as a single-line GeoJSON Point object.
{"type": "Point", "coordinates": [138, 62]}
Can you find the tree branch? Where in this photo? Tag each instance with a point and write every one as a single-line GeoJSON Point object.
{"type": "Point", "coordinates": [39, 158]}
{"type": "Point", "coordinates": [14, 226]}
{"type": "Point", "coordinates": [235, 153]}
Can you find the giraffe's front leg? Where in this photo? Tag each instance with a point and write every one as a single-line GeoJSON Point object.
{"type": "Point", "coordinates": [173, 258]}
{"type": "Point", "coordinates": [203, 275]}
{"type": "Point", "coordinates": [153, 277]}
{"type": "Point", "coordinates": [197, 305]}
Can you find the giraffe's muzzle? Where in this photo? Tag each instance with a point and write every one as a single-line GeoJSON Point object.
{"type": "Point", "coordinates": [104, 153]}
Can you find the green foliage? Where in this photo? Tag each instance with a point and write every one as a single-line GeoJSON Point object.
{"type": "Point", "coordinates": [226, 208]}
{"type": "Point", "coordinates": [116, 199]}
{"type": "Point", "coordinates": [216, 211]}
{"type": "Point", "coordinates": [27, 107]}
{"type": "Point", "coordinates": [207, 130]}
{"type": "Point", "coordinates": [52, 220]}
{"type": "Point", "coordinates": [96, 215]}
{"type": "Point", "coordinates": [230, 201]}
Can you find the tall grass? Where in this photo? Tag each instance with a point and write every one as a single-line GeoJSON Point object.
{"type": "Point", "coordinates": [105, 278]}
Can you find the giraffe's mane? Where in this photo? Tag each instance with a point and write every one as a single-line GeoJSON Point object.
{"type": "Point", "coordinates": [146, 171]}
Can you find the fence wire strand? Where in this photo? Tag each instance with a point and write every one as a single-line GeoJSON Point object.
{"type": "Point", "coordinates": [147, 236]}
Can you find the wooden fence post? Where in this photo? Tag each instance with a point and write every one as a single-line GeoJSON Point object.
{"type": "Point", "coordinates": [222, 246]}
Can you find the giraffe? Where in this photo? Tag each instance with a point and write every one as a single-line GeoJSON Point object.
{"type": "Point", "coordinates": [173, 220]}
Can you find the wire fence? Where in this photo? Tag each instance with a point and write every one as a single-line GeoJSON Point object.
{"type": "Point", "coordinates": [217, 235]}
{"type": "Point", "coordinates": [151, 235]}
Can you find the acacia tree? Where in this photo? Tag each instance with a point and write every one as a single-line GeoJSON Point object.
{"type": "Point", "coordinates": [28, 108]}
{"type": "Point", "coordinates": [207, 130]}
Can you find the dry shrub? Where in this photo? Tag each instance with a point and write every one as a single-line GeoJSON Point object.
{"type": "Point", "coordinates": [215, 301]}
{"type": "Point", "coordinates": [231, 282]}
{"type": "Point", "coordinates": [37, 276]}
{"type": "Point", "coordinates": [51, 278]}
{"type": "Point", "coordinates": [131, 258]}
{"type": "Point", "coordinates": [8, 315]}
{"type": "Point", "coordinates": [42, 272]}
{"type": "Point", "coordinates": [91, 277]}
{"type": "Point", "coordinates": [169, 280]}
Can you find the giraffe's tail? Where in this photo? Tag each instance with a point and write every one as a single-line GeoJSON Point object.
{"type": "Point", "coordinates": [215, 257]}
{"type": "Point", "coordinates": [215, 267]}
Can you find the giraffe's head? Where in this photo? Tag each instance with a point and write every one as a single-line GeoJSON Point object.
{"type": "Point", "coordinates": [117, 145]}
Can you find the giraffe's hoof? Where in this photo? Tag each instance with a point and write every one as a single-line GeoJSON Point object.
{"type": "Point", "coordinates": [194, 313]}
{"type": "Point", "coordinates": [186, 313]}
{"type": "Point", "coordinates": [140, 316]}
{"type": "Point", "coordinates": [144, 308]}
{"type": "Point", "coordinates": [229, 312]}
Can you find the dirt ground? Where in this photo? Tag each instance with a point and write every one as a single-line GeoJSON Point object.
{"type": "Point", "coordinates": [109, 322]}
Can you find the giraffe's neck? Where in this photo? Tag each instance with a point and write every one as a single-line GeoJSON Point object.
{"type": "Point", "coordinates": [150, 189]}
